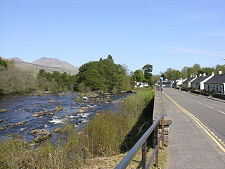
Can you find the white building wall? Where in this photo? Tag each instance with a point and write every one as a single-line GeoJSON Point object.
{"type": "Point", "coordinates": [217, 88]}
{"type": "Point", "coordinates": [202, 85]}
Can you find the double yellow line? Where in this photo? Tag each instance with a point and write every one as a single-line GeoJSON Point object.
{"type": "Point", "coordinates": [218, 141]}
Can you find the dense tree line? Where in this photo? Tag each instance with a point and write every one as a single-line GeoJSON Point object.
{"type": "Point", "coordinates": [196, 69]}
{"type": "Point", "coordinates": [55, 81]}
{"type": "Point", "coordinates": [102, 75]}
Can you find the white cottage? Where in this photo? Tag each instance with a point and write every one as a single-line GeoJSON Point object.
{"type": "Point", "coordinates": [140, 84]}
{"type": "Point", "coordinates": [187, 82]}
{"type": "Point", "coordinates": [216, 84]}
{"type": "Point", "coordinates": [198, 83]}
{"type": "Point", "coordinates": [178, 82]}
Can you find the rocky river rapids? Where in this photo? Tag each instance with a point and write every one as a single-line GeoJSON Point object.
{"type": "Point", "coordinates": [24, 114]}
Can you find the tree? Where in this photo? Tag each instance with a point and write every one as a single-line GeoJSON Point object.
{"type": "Point", "coordinates": [184, 72]}
{"type": "Point", "coordinates": [138, 76]}
{"type": "Point", "coordinates": [3, 63]}
{"type": "Point", "coordinates": [148, 73]}
{"type": "Point", "coordinates": [173, 74]}
{"type": "Point", "coordinates": [103, 75]}
{"type": "Point", "coordinates": [110, 58]}
{"type": "Point", "coordinates": [220, 68]}
{"type": "Point", "coordinates": [195, 69]}
{"type": "Point", "coordinates": [156, 78]}
{"type": "Point", "coordinates": [41, 73]}
{"type": "Point", "coordinates": [208, 70]}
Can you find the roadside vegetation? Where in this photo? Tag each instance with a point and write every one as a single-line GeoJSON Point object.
{"type": "Point", "coordinates": [108, 134]}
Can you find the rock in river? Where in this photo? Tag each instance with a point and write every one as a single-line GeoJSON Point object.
{"type": "Point", "coordinates": [40, 134]}
{"type": "Point", "coordinates": [16, 124]}
{"type": "Point", "coordinates": [1, 120]}
{"type": "Point", "coordinates": [1, 128]}
{"type": "Point", "coordinates": [83, 109]}
{"type": "Point", "coordinates": [59, 108]}
{"type": "Point", "coordinates": [3, 110]}
{"type": "Point", "coordinates": [42, 113]}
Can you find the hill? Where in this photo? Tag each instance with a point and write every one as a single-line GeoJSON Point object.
{"type": "Point", "coordinates": [48, 64]}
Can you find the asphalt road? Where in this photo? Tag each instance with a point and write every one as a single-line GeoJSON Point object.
{"type": "Point", "coordinates": [198, 124]}
{"type": "Point", "coordinates": [210, 112]}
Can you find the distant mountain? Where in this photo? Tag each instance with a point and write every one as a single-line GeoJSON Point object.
{"type": "Point", "coordinates": [62, 66]}
{"type": "Point", "coordinates": [48, 64]}
{"type": "Point", "coordinates": [16, 59]}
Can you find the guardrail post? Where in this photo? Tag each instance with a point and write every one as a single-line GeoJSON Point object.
{"type": "Point", "coordinates": [144, 153]}
{"type": "Point", "coordinates": [156, 144]}
{"type": "Point", "coordinates": [163, 132]}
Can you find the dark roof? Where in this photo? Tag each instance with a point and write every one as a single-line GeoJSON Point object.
{"type": "Point", "coordinates": [188, 79]}
{"type": "Point", "coordinates": [200, 79]}
{"type": "Point", "coordinates": [219, 78]}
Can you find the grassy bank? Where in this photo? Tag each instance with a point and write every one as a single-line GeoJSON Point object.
{"type": "Point", "coordinates": [106, 135]}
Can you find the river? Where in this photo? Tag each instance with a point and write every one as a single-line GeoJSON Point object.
{"type": "Point", "coordinates": [25, 113]}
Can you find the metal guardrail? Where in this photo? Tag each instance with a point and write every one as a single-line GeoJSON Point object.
{"type": "Point", "coordinates": [142, 142]}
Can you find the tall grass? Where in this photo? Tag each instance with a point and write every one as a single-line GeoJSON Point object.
{"type": "Point", "coordinates": [109, 133]}
{"type": "Point", "coordinates": [103, 136]}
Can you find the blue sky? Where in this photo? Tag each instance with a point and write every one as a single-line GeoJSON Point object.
{"type": "Point", "coordinates": [173, 33]}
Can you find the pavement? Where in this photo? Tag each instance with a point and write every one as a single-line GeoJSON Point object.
{"type": "Point", "coordinates": [197, 133]}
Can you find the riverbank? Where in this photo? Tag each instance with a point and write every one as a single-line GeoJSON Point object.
{"type": "Point", "coordinates": [106, 135]}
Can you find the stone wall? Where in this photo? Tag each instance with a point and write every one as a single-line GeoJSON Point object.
{"type": "Point", "coordinates": [158, 109]}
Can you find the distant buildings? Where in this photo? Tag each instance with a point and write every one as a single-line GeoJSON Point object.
{"type": "Point", "coordinates": [187, 82]}
{"type": "Point", "coordinates": [165, 83]}
{"type": "Point", "coordinates": [140, 84]}
{"type": "Point", "coordinates": [208, 83]}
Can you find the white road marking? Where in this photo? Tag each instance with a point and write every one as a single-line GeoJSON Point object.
{"type": "Point", "coordinates": [208, 106]}
{"type": "Point", "coordinates": [199, 102]}
{"type": "Point", "coordinates": [220, 111]}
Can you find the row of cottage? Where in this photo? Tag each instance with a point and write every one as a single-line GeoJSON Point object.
{"type": "Point", "coordinates": [209, 83]}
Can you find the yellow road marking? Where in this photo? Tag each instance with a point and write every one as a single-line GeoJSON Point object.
{"type": "Point", "coordinates": [206, 129]}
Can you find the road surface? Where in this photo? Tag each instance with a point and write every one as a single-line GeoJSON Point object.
{"type": "Point", "coordinates": [197, 134]}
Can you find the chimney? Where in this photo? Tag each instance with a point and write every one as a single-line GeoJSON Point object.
{"type": "Point", "coordinates": [220, 72]}
{"type": "Point", "coordinates": [213, 73]}
{"type": "Point", "coordinates": [204, 74]}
